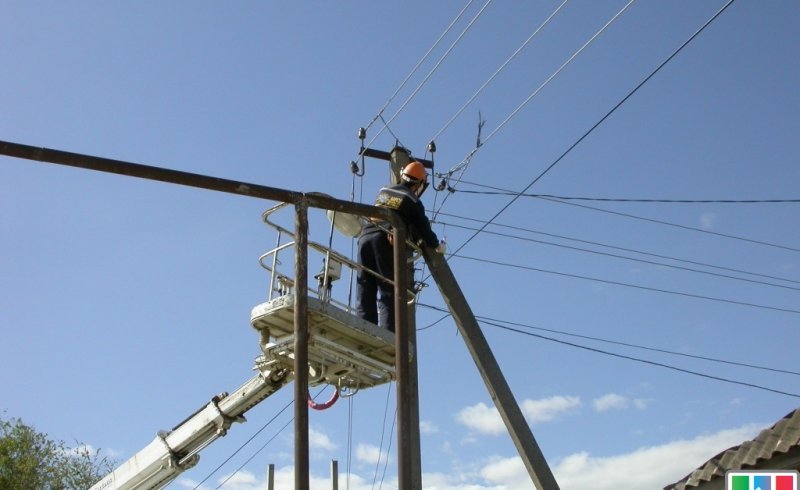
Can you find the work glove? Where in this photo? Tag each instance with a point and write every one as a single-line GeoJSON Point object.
{"type": "Point", "coordinates": [441, 248]}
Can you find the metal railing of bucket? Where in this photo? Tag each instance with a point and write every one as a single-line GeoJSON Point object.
{"type": "Point", "coordinates": [332, 261]}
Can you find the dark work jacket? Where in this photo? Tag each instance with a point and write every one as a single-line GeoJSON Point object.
{"type": "Point", "coordinates": [400, 198]}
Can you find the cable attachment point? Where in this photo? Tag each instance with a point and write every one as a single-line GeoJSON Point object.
{"type": "Point", "coordinates": [432, 150]}
{"type": "Point", "coordinates": [362, 135]}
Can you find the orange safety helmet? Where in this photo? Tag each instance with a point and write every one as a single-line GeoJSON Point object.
{"type": "Point", "coordinates": [414, 172]}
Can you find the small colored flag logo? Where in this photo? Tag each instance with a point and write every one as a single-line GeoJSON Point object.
{"type": "Point", "coordinates": [761, 480]}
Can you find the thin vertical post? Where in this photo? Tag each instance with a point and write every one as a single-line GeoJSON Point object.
{"type": "Point", "coordinates": [334, 474]}
{"type": "Point", "coordinates": [271, 477]}
{"type": "Point", "coordinates": [301, 464]}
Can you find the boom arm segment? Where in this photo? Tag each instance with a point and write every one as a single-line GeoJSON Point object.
{"type": "Point", "coordinates": [173, 452]}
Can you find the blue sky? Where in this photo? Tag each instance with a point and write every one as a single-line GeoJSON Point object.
{"type": "Point", "coordinates": [126, 303]}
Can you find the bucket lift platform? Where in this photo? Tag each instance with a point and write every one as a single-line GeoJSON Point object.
{"type": "Point", "coordinates": [343, 350]}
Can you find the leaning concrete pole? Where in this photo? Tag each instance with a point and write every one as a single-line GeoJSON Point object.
{"type": "Point", "coordinates": [487, 365]}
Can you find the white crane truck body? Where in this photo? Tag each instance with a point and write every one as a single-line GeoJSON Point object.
{"type": "Point", "coordinates": [173, 452]}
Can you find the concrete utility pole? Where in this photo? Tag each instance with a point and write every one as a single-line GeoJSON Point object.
{"type": "Point", "coordinates": [409, 397]}
{"type": "Point", "coordinates": [301, 439]}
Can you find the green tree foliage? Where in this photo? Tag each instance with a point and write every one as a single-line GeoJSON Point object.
{"type": "Point", "coordinates": [29, 460]}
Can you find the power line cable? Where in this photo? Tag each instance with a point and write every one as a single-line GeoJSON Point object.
{"type": "Point", "coordinates": [244, 444]}
{"type": "Point", "coordinates": [462, 166]}
{"type": "Point", "coordinates": [388, 449]}
{"type": "Point", "coordinates": [349, 438]}
{"type": "Point", "coordinates": [287, 424]}
{"type": "Point", "coordinates": [633, 259]}
{"type": "Point", "coordinates": [389, 128]}
{"type": "Point", "coordinates": [383, 433]}
{"type": "Point", "coordinates": [636, 286]}
{"type": "Point", "coordinates": [494, 75]}
{"type": "Point", "coordinates": [248, 441]}
{"type": "Point", "coordinates": [691, 228]}
{"type": "Point", "coordinates": [484, 320]}
{"type": "Point", "coordinates": [479, 143]}
{"type": "Point", "coordinates": [652, 349]}
{"type": "Point", "coordinates": [431, 72]}
{"type": "Point", "coordinates": [628, 215]}
{"type": "Point", "coordinates": [609, 199]}
{"type": "Point", "coordinates": [650, 254]}
{"type": "Point", "coordinates": [466, 160]}
{"type": "Point", "coordinates": [624, 344]}
{"type": "Point", "coordinates": [447, 315]}
{"type": "Point", "coordinates": [644, 361]}
{"type": "Point", "coordinates": [419, 63]}
{"type": "Point", "coordinates": [606, 116]}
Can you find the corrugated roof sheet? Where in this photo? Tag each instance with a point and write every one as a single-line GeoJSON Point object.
{"type": "Point", "coordinates": [783, 437]}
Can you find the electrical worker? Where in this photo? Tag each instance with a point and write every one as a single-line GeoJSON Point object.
{"type": "Point", "coordinates": [375, 245]}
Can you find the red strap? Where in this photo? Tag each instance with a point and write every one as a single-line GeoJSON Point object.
{"type": "Point", "coordinates": [323, 406]}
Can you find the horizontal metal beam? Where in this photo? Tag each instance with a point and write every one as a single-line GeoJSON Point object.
{"type": "Point", "coordinates": [100, 164]}
{"type": "Point", "coordinates": [385, 155]}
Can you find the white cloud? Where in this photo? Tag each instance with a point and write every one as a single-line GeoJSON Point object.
{"type": "Point", "coordinates": [284, 478]}
{"type": "Point", "coordinates": [428, 427]}
{"type": "Point", "coordinates": [609, 402]}
{"type": "Point", "coordinates": [482, 418]}
{"type": "Point", "coordinates": [243, 480]}
{"type": "Point", "coordinates": [469, 439]}
{"type": "Point", "coordinates": [613, 401]}
{"type": "Point", "coordinates": [443, 481]}
{"type": "Point", "coordinates": [648, 467]}
{"type": "Point", "coordinates": [367, 453]}
{"type": "Point", "coordinates": [486, 420]}
{"type": "Point", "coordinates": [447, 448]}
{"type": "Point", "coordinates": [505, 470]}
{"type": "Point", "coordinates": [319, 440]}
{"type": "Point", "coordinates": [548, 409]}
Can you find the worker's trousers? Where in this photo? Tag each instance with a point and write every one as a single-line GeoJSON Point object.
{"type": "Point", "coordinates": [375, 295]}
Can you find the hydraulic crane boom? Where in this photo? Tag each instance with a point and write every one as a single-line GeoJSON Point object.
{"type": "Point", "coordinates": [175, 451]}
